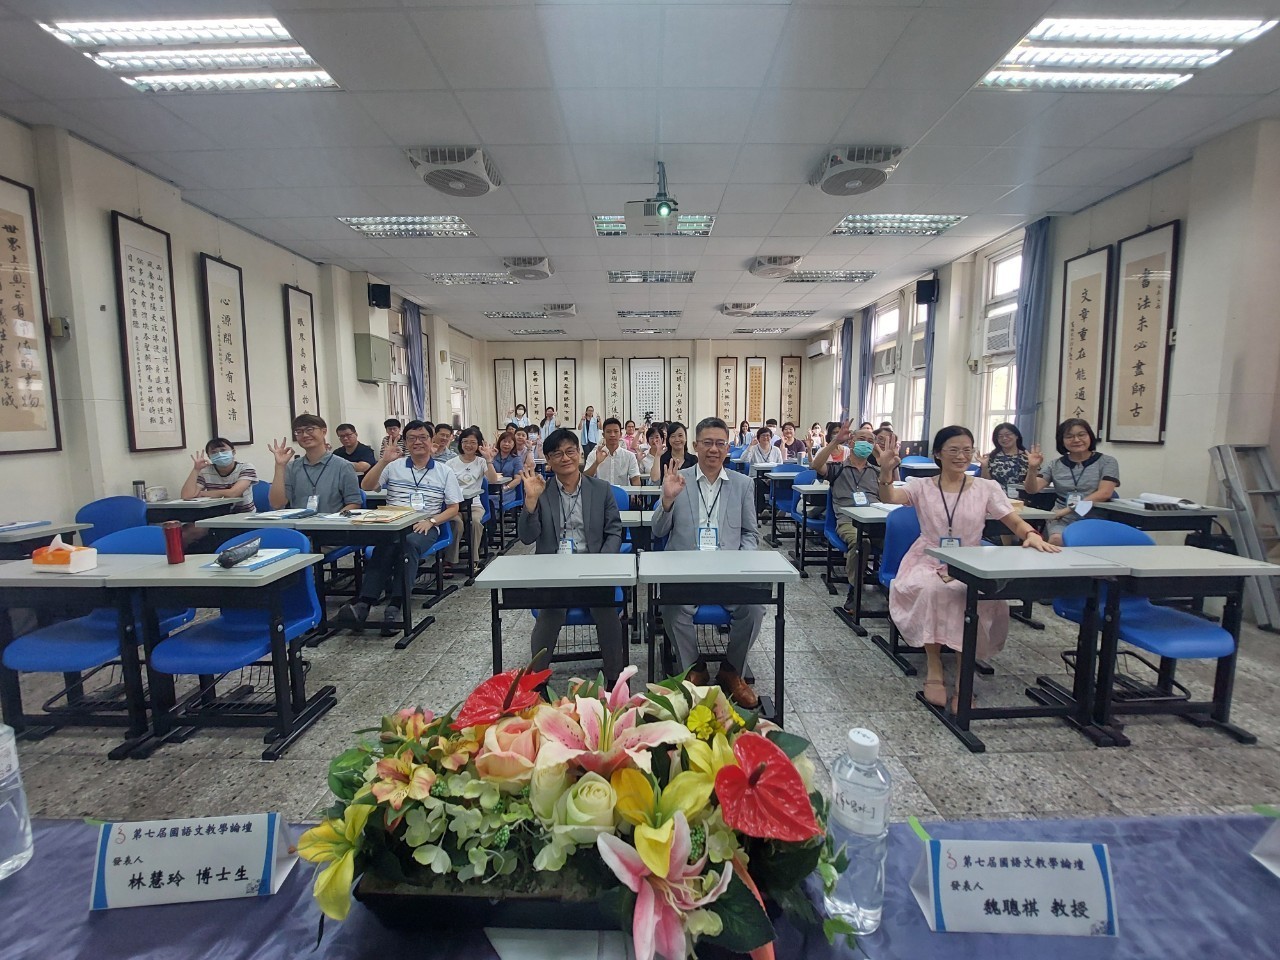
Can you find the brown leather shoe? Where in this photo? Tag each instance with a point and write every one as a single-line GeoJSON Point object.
{"type": "Point", "coordinates": [699, 676]}
{"type": "Point", "coordinates": [739, 691]}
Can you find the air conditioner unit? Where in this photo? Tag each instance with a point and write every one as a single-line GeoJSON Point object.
{"type": "Point", "coordinates": [560, 311]}
{"type": "Point", "coordinates": [642, 218]}
{"type": "Point", "coordinates": [738, 309]}
{"type": "Point", "coordinates": [457, 171]}
{"type": "Point", "coordinates": [850, 171]}
{"type": "Point", "coordinates": [997, 333]}
{"type": "Point", "coordinates": [819, 348]}
{"type": "Point", "coordinates": [528, 268]}
{"type": "Point", "coordinates": [883, 362]}
{"type": "Point", "coordinates": [775, 268]}
{"type": "Point", "coordinates": [917, 354]}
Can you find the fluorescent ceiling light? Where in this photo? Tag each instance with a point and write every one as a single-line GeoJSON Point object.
{"type": "Point", "coordinates": [687, 225]}
{"type": "Point", "coordinates": [382, 227]}
{"type": "Point", "coordinates": [1113, 58]}
{"type": "Point", "coordinates": [767, 331]}
{"type": "Point", "coordinates": [648, 331]}
{"type": "Point", "coordinates": [143, 33]}
{"type": "Point", "coordinates": [1065, 80]}
{"type": "Point", "coordinates": [1156, 30]}
{"type": "Point", "coordinates": [829, 276]}
{"type": "Point", "coordinates": [515, 314]}
{"type": "Point", "coordinates": [651, 276]}
{"type": "Point", "coordinates": [895, 224]}
{"type": "Point", "coordinates": [783, 314]}
{"type": "Point", "coordinates": [453, 279]}
{"type": "Point", "coordinates": [649, 314]}
{"type": "Point", "coordinates": [537, 332]}
{"type": "Point", "coordinates": [165, 60]}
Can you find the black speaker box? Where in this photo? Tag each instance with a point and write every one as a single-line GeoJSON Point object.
{"type": "Point", "coordinates": [380, 295]}
{"type": "Point", "coordinates": [927, 291]}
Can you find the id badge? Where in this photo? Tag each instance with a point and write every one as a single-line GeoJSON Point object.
{"type": "Point", "coordinates": [860, 498]}
{"type": "Point", "coordinates": [418, 501]}
{"type": "Point", "coordinates": [1011, 491]}
{"type": "Point", "coordinates": [313, 502]}
{"type": "Point", "coordinates": [945, 542]}
{"type": "Point", "coordinates": [1072, 500]}
{"type": "Point", "coordinates": [565, 547]}
{"type": "Point", "coordinates": [708, 538]}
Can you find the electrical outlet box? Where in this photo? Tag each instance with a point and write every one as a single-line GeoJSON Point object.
{"type": "Point", "coordinates": [373, 358]}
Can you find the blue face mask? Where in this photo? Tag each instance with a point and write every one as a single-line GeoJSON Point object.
{"type": "Point", "coordinates": [223, 458]}
{"type": "Point", "coordinates": [862, 449]}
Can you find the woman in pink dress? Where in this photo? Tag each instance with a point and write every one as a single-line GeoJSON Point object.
{"type": "Point", "coordinates": [927, 605]}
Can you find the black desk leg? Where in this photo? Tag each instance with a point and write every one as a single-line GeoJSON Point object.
{"type": "Point", "coordinates": [779, 657]}
{"type": "Point", "coordinates": [163, 695]}
{"type": "Point", "coordinates": [1049, 691]}
{"type": "Point", "coordinates": [772, 539]}
{"type": "Point", "coordinates": [802, 539]}
{"type": "Point", "coordinates": [650, 629]}
{"type": "Point", "coordinates": [854, 622]}
{"type": "Point", "coordinates": [495, 629]}
{"type": "Point", "coordinates": [1024, 615]}
{"type": "Point", "coordinates": [280, 673]}
{"type": "Point", "coordinates": [1225, 678]}
{"type": "Point", "coordinates": [959, 722]}
{"type": "Point", "coordinates": [408, 575]}
{"type": "Point", "coordinates": [1105, 687]}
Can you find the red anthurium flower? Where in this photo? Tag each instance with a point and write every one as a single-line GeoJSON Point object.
{"type": "Point", "coordinates": [764, 796]}
{"type": "Point", "coordinates": [500, 696]}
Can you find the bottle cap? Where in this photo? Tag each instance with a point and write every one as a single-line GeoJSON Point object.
{"type": "Point", "coordinates": [863, 746]}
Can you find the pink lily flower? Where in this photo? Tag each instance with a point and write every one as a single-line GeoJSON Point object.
{"type": "Point", "coordinates": [658, 920]}
{"type": "Point", "coordinates": [604, 738]}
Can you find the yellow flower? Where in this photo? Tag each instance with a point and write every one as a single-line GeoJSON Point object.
{"type": "Point", "coordinates": [336, 843]}
{"type": "Point", "coordinates": [652, 814]}
{"type": "Point", "coordinates": [708, 758]}
{"type": "Point", "coordinates": [702, 722]}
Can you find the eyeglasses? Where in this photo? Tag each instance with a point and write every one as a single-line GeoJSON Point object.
{"type": "Point", "coordinates": [1075, 436]}
{"type": "Point", "coordinates": [303, 431]}
{"type": "Point", "coordinates": [420, 438]}
{"type": "Point", "coordinates": [957, 451]}
{"type": "Point", "coordinates": [714, 444]}
{"type": "Point", "coordinates": [564, 453]}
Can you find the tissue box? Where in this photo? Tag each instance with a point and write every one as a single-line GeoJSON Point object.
{"type": "Point", "coordinates": [60, 557]}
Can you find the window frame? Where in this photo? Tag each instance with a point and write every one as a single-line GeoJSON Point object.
{"type": "Point", "coordinates": [989, 410]}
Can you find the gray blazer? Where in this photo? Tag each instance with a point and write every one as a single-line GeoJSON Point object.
{"type": "Point", "coordinates": [735, 514]}
{"type": "Point", "coordinates": [599, 516]}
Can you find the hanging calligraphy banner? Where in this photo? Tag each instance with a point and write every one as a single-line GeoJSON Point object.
{"type": "Point", "coordinates": [28, 412]}
{"type": "Point", "coordinates": [613, 381]}
{"type": "Point", "coordinates": [755, 390]}
{"type": "Point", "coordinates": [727, 390]}
{"type": "Point", "coordinates": [789, 408]}
{"type": "Point", "coordinates": [300, 338]}
{"type": "Point", "coordinates": [680, 389]}
{"type": "Point", "coordinates": [1144, 318]}
{"type": "Point", "coordinates": [535, 388]}
{"type": "Point", "coordinates": [148, 334]}
{"type": "Point", "coordinates": [567, 390]}
{"type": "Point", "coordinates": [648, 405]}
{"type": "Point", "coordinates": [504, 393]}
{"type": "Point", "coordinates": [1086, 299]}
{"type": "Point", "coordinates": [222, 288]}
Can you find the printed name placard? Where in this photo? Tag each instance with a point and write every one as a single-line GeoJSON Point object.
{"type": "Point", "coordinates": [981, 886]}
{"type": "Point", "coordinates": [182, 861]}
{"type": "Point", "coordinates": [1266, 851]}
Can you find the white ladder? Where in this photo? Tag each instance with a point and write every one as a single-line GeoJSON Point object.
{"type": "Point", "coordinates": [1248, 476]}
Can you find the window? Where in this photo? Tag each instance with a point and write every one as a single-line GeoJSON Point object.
{"type": "Point", "coordinates": [886, 324]}
{"type": "Point", "coordinates": [918, 373]}
{"type": "Point", "coordinates": [836, 412]}
{"type": "Point", "coordinates": [884, 337]}
{"type": "Point", "coordinates": [399, 401]}
{"type": "Point", "coordinates": [998, 374]}
{"type": "Point", "coordinates": [882, 400]}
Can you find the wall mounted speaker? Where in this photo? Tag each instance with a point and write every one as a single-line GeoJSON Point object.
{"type": "Point", "coordinates": [927, 291]}
{"type": "Point", "coordinates": [380, 295]}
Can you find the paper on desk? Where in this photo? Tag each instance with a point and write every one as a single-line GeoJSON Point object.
{"type": "Point", "coordinates": [1083, 507]}
{"type": "Point", "coordinates": [515, 944]}
{"type": "Point", "coordinates": [1165, 498]}
{"type": "Point", "coordinates": [886, 507]}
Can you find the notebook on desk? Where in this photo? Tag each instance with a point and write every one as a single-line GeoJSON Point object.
{"type": "Point", "coordinates": [288, 513]}
{"type": "Point", "coordinates": [384, 515]}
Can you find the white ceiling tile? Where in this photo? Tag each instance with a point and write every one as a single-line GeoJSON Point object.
{"type": "Point", "coordinates": [549, 198]}
{"type": "Point", "coordinates": [547, 225]}
{"type": "Point", "coordinates": [472, 248]}
{"type": "Point", "coordinates": [229, 206]}
{"type": "Point", "coordinates": [756, 197]}
{"type": "Point", "coordinates": [514, 116]}
{"type": "Point", "coordinates": [936, 165]}
{"type": "Point", "coordinates": [951, 48]}
{"type": "Point", "coordinates": [1171, 120]}
{"type": "Point", "coordinates": [744, 224]}
{"type": "Point", "coordinates": [518, 247]}
{"type": "Point", "coordinates": [1089, 166]}
{"type": "Point", "coordinates": [835, 47]}
{"type": "Point", "coordinates": [706, 46]}
{"type": "Point", "coordinates": [844, 246]}
{"type": "Point", "coordinates": [264, 118]}
{"type": "Point", "coordinates": [629, 164]}
{"type": "Point", "coordinates": [803, 225]}
{"type": "Point", "coordinates": [339, 201]}
{"type": "Point", "coordinates": [791, 163]}
{"type": "Point", "coordinates": [610, 115]}
{"type": "Point", "coordinates": [704, 114]}
{"type": "Point", "coordinates": [800, 116]}
{"type": "Point", "coordinates": [418, 118]}
{"type": "Point", "coordinates": [219, 169]}
{"type": "Point", "coordinates": [897, 117]}
{"type": "Point", "coordinates": [719, 245]}
{"type": "Point", "coordinates": [596, 46]}
{"type": "Point", "coordinates": [697, 162]}
{"type": "Point", "coordinates": [964, 198]}
{"type": "Point", "coordinates": [486, 48]}
{"type": "Point", "coordinates": [887, 198]}
{"type": "Point", "coordinates": [366, 49]}
{"type": "Point", "coordinates": [534, 163]}
{"type": "Point", "coordinates": [1029, 199]}
{"type": "Point", "coordinates": [1013, 164]}
{"type": "Point", "coordinates": [1079, 118]}
{"type": "Point", "coordinates": [571, 246]}
{"type": "Point", "coordinates": [420, 199]}
{"type": "Point", "coordinates": [989, 117]}
{"type": "Point", "coordinates": [34, 59]}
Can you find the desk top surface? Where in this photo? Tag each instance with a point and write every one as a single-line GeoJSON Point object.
{"type": "Point", "coordinates": [637, 518]}
{"type": "Point", "coordinates": [191, 573]}
{"type": "Point", "coordinates": [249, 521]}
{"type": "Point", "coordinates": [716, 566]}
{"type": "Point", "coordinates": [542, 570]}
{"type": "Point", "coordinates": [1180, 561]}
{"type": "Point", "coordinates": [642, 491]}
{"type": "Point", "coordinates": [1119, 506]}
{"type": "Point", "coordinates": [42, 530]}
{"type": "Point", "coordinates": [871, 515]}
{"type": "Point", "coordinates": [1018, 563]}
{"type": "Point", "coordinates": [811, 488]}
{"type": "Point", "coordinates": [24, 574]}
{"type": "Point", "coordinates": [195, 503]}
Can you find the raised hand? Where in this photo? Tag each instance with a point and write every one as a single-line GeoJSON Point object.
{"type": "Point", "coordinates": [534, 485]}
{"type": "Point", "coordinates": [602, 453]}
{"type": "Point", "coordinates": [487, 451]}
{"type": "Point", "coordinates": [889, 459]}
{"type": "Point", "coordinates": [672, 482]}
{"type": "Point", "coordinates": [844, 434]}
{"type": "Point", "coordinates": [984, 461]}
{"type": "Point", "coordinates": [1035, 459]}
{"type": "Point", "coordinates": [658, 447]}
{"type": "Point", "coordinates": [390, 454]}
{"type": "Point", "coordinates": [282, 452]}
{"type": "Point", "coordinates": [199, 460]}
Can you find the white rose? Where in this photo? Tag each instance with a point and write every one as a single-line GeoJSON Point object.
{"type": "Point", "coordinates": [585, 810]}
{"type": "Point", "coordinates": [547, 784]}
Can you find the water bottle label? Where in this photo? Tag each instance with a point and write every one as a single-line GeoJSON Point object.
{"type": "Point", "coordinates": [8, 757]}
{"type": "Point", "coordinates": [859, 816]}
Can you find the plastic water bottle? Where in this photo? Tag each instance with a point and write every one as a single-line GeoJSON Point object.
{"type": "Point", "coordinates": [15, 822]}
{"type": "Point", "coordinates": [861, 789]}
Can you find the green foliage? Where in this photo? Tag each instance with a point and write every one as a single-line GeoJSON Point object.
{"type": "Point", "coordinates": [789, 743]}
{"type": "Point", "coordinates": [780, 866]}
{"type": "Point", "coordinates": [346, 772]}
{"type": "Point", "coordinates": [746, 925]}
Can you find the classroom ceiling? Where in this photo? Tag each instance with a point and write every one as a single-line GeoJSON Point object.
{"type": "Point", "coordinates": [575, 101]}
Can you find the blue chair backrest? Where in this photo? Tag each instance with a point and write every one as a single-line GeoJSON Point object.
{"type": "Point", "coordinates": [621, 497]}
{"type": "Point", "coordinates": [829, 518]}
{"type": "Point", "coordinates": [786, 468]}
{"type": "Point", "coordinates": [804, 476]}
{"type": "Point", "coordinates": [134, 540]}
{"type": "Point", "coordinates": [1104, 533]}
{"type": "Point", "coordinates": [974, 469]}
{"type": "Point", "coordinates": [262, 495]}
{"type": "Point", "coordinates": [298, 602]}
{"type": "Point", "coordinates": [109, 515]}
{"type": "Point", "coordinates": [901, 530]}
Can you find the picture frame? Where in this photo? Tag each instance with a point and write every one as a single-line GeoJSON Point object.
{"type": "Point", "coordinates": [789, 390]}
{"type": "Point", "coordinates": [1142, 344]}
{"type": "Point", "coordinates": [1085, 336]}
{"type": "Point", "coordinates": [226, 354]}
{"type": "Point", "coordinates": [504, 391]}
{"type": "Point", "coordinates": [679, 389]}
{"type": "Point", "coordinates": [300, 348]}
{"type": "Point", "coordinates": [535, 389]}
{"type": "Point", "coordinates": [727, 389]}
{"type": "Point", "coordinates": [28, 399]}
{"type": "Point", "coordinates": [613, 380]}
{"type": "Point", "coordinates": [647, 388]}
{"type": "Point", "coordinates": [151, 362]}
{"type": "Point", "coordinates": [755, 389]}
{"type": "Point", "coordinates": [566, 391]}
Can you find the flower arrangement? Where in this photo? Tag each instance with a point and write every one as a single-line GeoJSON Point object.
{"type": "Point", "coordinates": [683, 813]}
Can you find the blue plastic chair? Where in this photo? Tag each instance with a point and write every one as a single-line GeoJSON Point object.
{"type": "Point", "coordinates": [784, 501]}
{"type": "Point", "coordinates": [623, 500]}
{"type": "Point", "coordinates": [901, 530]}
{"type": "Point", "coordinates": [836, 547]}
{"type": "Point", "coordinates": [109, 515]}
{"type": "Point", "coordinates": [262, 496]}
{"type": "Point", "coordinates": [918, 467]}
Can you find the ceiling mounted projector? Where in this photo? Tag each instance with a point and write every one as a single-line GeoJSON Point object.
{"type": "Point", "coordinates": [655, 216]}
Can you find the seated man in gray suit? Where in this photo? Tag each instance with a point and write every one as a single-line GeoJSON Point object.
{"type": "Point", "coordinates": [572, 513]}
{"type": "Point", "coordinates": [706, 507]}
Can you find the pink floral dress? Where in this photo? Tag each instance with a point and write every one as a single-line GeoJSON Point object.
{"type": "Point", "coordinates": [927, 610]}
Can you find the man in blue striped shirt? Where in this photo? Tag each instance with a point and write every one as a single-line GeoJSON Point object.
{"type": "Point", "coordinates": [427, 486]}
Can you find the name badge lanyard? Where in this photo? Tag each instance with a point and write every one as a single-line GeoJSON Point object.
{"type": "Point", "coordinates": [315, 484]}
{"type": "Point", "coordinates": [567, 514]}
{"type": "Point", "coordinates": [1074, 497]}
{"type": "Point", "coordinates": [417, 499]}
{"type": "Point", "coordinates": [950, 511]}
{"type": "Point", "coordinates": [711, 510]}
{"type": "Point", "coordinates": [858, 493]}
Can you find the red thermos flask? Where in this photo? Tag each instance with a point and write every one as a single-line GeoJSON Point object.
{"type": "Point", "coordinates": [173, 541]}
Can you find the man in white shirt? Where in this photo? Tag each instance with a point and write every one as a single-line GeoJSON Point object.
{"type": "Point", "coordinates": [611, 461]}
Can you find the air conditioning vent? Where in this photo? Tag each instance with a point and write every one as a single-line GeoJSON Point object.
{"type": "Point", "coordinates": [738, 309]}
{"type": "Point", "coordinates": [917, 354]}
{"type": "Point", "coordinates": [528, 268]}
{"type": "Point", "coordinates": [851, 171]}
{"type": "Point", "coordinates": [775, 268]}
{"type": "Point", "coordinates": [560, 311]}
{"type": "Point", "coordinates": [457, 171]}
{"type": "Point", "coordinates": [819, 348]}
{"type": "Point", "coordinates": [883, 362]}
{"type": "Point", "coordinates": [997, 332]}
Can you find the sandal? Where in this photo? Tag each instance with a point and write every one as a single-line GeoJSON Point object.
{"type": "Point", "coordinates": [939, 699]}
{"type": "Point", "coordinates": [955, 702]}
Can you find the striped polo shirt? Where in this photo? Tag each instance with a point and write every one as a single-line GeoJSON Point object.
{"type": "Point", "coordinates": [436, 482]}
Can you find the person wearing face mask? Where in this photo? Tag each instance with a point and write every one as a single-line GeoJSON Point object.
{"type": "Point", "coordinates": [216, 472]}
{"type": "Point", "coordinates": [854, 483]}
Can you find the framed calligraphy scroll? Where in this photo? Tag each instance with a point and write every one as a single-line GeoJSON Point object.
{"type": "Point", "coordinates": [1141, 345]}
{"type": "Point", "coordinates": [1086, 314]}
{"type": "Point", "coordinates": [755, 390]}
{"type": "Point", "coordinates": [504, 394]}
{"type": "Point", "coordinates": [648, 403]}
{"type": "Point", "coordinates": [614, 378]}
{"type": "Point", "coordinates": [300, 339]}
{"type": "Point", "coordinates": [28, 409]}
{"type": "Point", "coordinates": [148, 335]}
{"type": "Point", "coordinates": [535, 388]}
{"type": "Point", "coordinates": [727, 389]}
{"type": "Point", "coordinates": [680, 389]}
{"type": "Point", "coordinates": [567, 390]}
{"type": "Point", "coordinates": [222, 289]}
{"type": "Point", "coordinates": [789, 406]}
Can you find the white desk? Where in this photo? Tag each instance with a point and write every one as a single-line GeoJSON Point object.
{"type": "Point", "coordinates": [534, 581]}
{"type": "Point", "coordinates": [1200, 520]}
{"type": "Point", "coordinates": [808, 492]}
{"type": "Point", "coordinates": [18, 544]}
{"type": "Point", "coordinates": [721, 577]}
{"type": "Point", "coordinates": [189, 511]}
{"type": "Point", "coordinates": [654, 491]}
{"type": "Point", "coordinates": [637, 518]}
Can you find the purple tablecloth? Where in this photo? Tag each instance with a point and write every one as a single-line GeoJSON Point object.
{"type": "Point", "coordinates": [1185, 887]}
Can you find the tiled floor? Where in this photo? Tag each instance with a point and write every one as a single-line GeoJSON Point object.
{"type": "Point", "coordinates": [1032, 768]}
